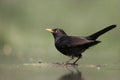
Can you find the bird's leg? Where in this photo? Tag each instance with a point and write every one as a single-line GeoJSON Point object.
{"type": "Point", "coordinates": [77, 60]}
{"type": "Point", "coordinates": [69, 60]}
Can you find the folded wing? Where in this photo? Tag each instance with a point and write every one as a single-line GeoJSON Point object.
{"type": "Point", "coordinates": [71, 41]}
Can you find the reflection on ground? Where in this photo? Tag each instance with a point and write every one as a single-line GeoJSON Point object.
{"type": "Point", "coordinates": [73, 75]}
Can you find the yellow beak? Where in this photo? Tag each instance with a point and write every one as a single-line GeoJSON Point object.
{"type": "Point", "coordinates": [50, 30]}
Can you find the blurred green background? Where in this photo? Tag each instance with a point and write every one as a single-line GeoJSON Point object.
{"type": "Point", "coordinates": [23, 38]}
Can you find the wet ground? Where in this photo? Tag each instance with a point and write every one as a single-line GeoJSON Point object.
{"type": "Point", "coordinates": [53, 71]}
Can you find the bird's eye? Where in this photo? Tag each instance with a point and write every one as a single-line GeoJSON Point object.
{"type": "Point", "coordinates": [57, 31]}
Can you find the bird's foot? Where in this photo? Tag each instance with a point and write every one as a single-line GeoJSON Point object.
{"type": "Point", "coordinates": [74, 64]}
{"type": "Point", "coordinates": [69, 64]}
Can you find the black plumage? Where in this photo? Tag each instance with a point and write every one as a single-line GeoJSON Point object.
{"type": "Point", "coordinates": [73, 46]}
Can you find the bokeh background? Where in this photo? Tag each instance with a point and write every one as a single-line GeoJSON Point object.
{"type": "Point", "coordinates": [23, 38]}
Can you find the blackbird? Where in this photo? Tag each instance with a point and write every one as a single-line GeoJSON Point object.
{"type": "Point", "coordinates": [73, 46]}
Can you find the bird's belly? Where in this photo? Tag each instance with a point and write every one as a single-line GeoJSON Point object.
{"type": "Point", "coordinates": [75, 52]}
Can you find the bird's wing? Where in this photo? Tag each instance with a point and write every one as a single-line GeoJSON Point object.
{"type": "Point", "coordinates": [71, 41]}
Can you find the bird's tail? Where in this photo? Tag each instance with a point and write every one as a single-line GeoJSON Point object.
{"type": "Point", "coordinates": [99, 33]}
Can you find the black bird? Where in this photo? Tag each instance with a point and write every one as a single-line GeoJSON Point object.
{"type": "Point", "coordinates": [73, 46]}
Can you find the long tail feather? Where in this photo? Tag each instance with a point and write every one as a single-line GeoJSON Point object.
{"type": "Point", "coordinates": [99, 33]}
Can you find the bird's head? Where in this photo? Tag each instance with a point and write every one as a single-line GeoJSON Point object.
{"type": "Point", "coordinates": [57, 33]}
